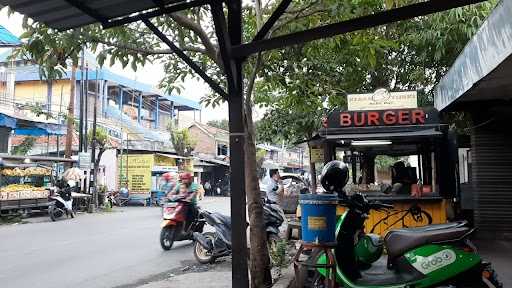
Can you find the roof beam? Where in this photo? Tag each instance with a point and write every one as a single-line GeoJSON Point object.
{"type": "Point", "coordinates": [155, 13]}
{"type": "Point", "coordinates": [281, 8]}
{"type": "Point", "coordinates": [214, 85]}
{"type": "Point", "coordinates": [365, 22]}
{"type": "Point", "coordinates": [87, 10]}
{"type": "Point", "coordinates": [219, 20]}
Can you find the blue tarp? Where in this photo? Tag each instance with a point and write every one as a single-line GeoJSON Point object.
{"type": "Point", "coordinates": [7, 39]}
{"type": "Point", "coordinates": [41, 129]}
{"type": "Point", "coordinates": [7, 121]}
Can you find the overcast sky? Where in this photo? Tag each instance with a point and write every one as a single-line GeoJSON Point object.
{"type": "Point", "coordinates": [151, 74]}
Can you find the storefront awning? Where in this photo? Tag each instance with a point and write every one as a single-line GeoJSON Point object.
{"type": "Point", "coordinates": [386, 135]}
{"type": "Point", "coordinates": [29, 128]}
{"type": "Point", "coordinates": [482, 71]}
{"type": "Point", "coordinates": [7, 121]}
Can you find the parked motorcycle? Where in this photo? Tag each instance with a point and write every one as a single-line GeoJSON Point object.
{"type": "Point", "coordinates": [430, 256]}
{"type": "Point", "coordinates": [175, 226]}
{"type": "Point", "coordinates": [62, 201]}
{"type": "Point", "coordinates": [210, 246]}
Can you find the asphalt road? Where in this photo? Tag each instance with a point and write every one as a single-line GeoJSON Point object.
{"type": "Point", "coordinates": [118, 249]}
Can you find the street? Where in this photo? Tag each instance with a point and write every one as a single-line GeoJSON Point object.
{"type": "Point", "coordinates": [117, 249]}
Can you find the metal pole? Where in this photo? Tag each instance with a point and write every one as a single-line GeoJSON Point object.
{"type": "Point", "coordinates": [81, 106]}
{"type": "Point", "coordinates": [240, 274]}
{"type": "Point", "coordinates": [94, 180]}
{"type": "Point", "coordinates": [86, 120]}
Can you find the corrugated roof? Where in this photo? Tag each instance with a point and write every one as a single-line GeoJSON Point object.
{"type": "Point", "coordinates": [66, 14]}
{"type": "Point", "coordinates": [7, 39]}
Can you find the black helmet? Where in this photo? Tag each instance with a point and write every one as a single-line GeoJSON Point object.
{"type": "Point", "coordinates": [334, 176]}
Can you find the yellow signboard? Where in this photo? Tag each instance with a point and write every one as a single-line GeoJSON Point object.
{"type": "Point", "coordinates": [316, 155]}
{"type": "Point", "coordinates": [137, 170]}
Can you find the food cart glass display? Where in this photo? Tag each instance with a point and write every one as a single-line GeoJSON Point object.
{"type": "Point", "coordinates": [24, 186]}
{"type": "Point", "coordinates": [397, 156]}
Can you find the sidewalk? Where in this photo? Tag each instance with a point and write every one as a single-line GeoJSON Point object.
{"type": "Point", "coordinates": [499, 253]}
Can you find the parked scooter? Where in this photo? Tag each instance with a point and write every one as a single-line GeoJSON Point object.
{"type": "Point", "coordinates": [430, 256]}
{"type": "Point", "coordinates": [210, 246]}
{"type": "Point", "coordinates": [62, 201]}
{"type": "Point", "coordinates": [175, 226]}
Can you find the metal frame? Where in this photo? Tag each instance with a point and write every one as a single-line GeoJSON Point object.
{"type": "Point", "coordinates": [233, 54]}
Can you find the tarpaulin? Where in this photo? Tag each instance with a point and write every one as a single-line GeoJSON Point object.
{"type": "Point", "coordinates": [7, 121]}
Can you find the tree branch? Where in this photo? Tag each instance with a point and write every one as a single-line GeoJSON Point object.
{"type": "Point", "coordinates": [190, 24]}
{"type": "Point", "coordinates": [146, 51]}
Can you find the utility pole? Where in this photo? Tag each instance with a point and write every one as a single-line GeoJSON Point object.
{"type": "Point", "coordinates": [81, 105]}
{"type": "Point", "coordinates": [86, 100]}
{"type": "Point", "coordinates": [94, 178]}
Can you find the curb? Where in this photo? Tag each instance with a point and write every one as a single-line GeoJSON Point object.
{"type": "Point", "coordinates": [287, 278]}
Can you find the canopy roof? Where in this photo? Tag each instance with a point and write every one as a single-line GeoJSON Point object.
{"type": "Point", "coordinates": [482, 71]}
{"type": "Point", "coordinates": [66, 14]}
{"type": "Point", "coordinates": [7, 39]}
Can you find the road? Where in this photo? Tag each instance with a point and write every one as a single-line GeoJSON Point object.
{"type": "Point", "coordinates": [117, 249]}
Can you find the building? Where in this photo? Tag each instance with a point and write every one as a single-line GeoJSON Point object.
{"type": "Point", "coordinates": [479, 84]}
{"type": "Point", "coordinates": [134, 114]}
{"type": "Point", "coordinates": [212, 157]}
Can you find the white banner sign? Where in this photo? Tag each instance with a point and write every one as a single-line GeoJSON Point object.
{"type": "Point", "coordinates": [84, 160]}
{"type": "Point", "coordinates": [382, 99]}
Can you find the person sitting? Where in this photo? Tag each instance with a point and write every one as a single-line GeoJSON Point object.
{"type": "Point", "coordinates": [188, 189]}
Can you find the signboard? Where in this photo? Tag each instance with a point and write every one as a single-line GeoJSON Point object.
{"type": "Point", "coordinates": [137, 170]}
{"type": "Point", "coordinates": [395, 117]}
{"type": "Point", "coordinates": [157, 168]}
{"type": "Point", "coordinates": [84, 160]}
{"type": "Point", "coordinates": [316, 155]}
{"type": "Point", "coordinates": [382, 99]}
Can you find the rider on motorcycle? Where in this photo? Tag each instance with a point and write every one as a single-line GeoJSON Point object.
{"type": "Point", "coordinates": [189, 191]}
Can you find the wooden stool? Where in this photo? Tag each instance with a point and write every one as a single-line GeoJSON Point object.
{"type": "Point", "coordinates": [330, 266]}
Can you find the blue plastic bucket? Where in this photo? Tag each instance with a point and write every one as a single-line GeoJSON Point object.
{"type": "Point", "coordinates": [318, 219]}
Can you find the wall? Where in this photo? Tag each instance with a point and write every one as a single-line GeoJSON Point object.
{"type": "Point", "coordinates": [205, 143]}
{"type": "Point", "coordinates": [36, 91]}
{"type": "Point", "coordinates": [109, 161]}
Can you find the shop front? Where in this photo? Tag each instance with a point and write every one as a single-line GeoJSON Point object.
{"type": "Point", "coordinates": [397, 156]}
{"type": "Point", "coordinates": [478, 85]}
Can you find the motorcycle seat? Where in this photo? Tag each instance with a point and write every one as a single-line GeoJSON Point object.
{"type": "Point", "coordinates": [400, 241]}
{"type": "Point", "coordinates": [221, 219]}
{"type": "Point", "coordinates": [432, 227]}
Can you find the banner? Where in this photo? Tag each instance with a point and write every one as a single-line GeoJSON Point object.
{"type": "Point", "coordinates": [382, 99]}
{"type": "Point", "coordinates": [137, 170]}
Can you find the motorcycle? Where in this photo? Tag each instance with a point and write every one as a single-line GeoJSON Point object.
{"type": "Point", "coordinates": [62, 201]}
{"type": "Point", "coordinates": [209, 246]}
{"type": "Point", "coordinates": [439, 255]}
{"type": "Point", "coordinates": [175, 226]}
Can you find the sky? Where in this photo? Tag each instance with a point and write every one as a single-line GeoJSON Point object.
{"type": "Point", "coordinates": [150, 74]}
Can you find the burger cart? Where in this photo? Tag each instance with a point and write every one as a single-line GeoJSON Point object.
{"type": "Point", "coordinates": [422, 192]}
{"type": "Point", "coordinates": [25, 182]}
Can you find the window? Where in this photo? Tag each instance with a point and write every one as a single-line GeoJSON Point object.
{"type": "Point", "coordinates": [222, 149]}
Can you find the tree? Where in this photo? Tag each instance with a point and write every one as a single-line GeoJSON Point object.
{"type": "Point", "coordinates": [398, 57]}
{"type": "Point", "coordinates": [221, 124]}
{"type": "Point", "coordinates": [24, 147]}
{"type": "Point", "coordinates": [183, 143]}
{"type": "Point", "coordinates": [102, 144]}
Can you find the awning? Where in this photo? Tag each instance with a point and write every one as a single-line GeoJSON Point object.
{"type": "Point", "coordinates": [29, 128]}
{"type": "Point", "coordinates": [482, 70]}
{"type": "Point", "coordinates": [7, 39]}
{"type": "Point", "coordinates": [386, 135]}
{"type": "Point", "coordinates": [7, 121]}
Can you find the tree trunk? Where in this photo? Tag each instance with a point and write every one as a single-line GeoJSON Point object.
{"type": "Point", "coordinates": [260, 262]}
{"type": "Point", "coordinates": [312, 172]}
{"type": "Point", "coordinates": [95, 172]}
{"type": "Point", "coordinates": [71, 115]}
